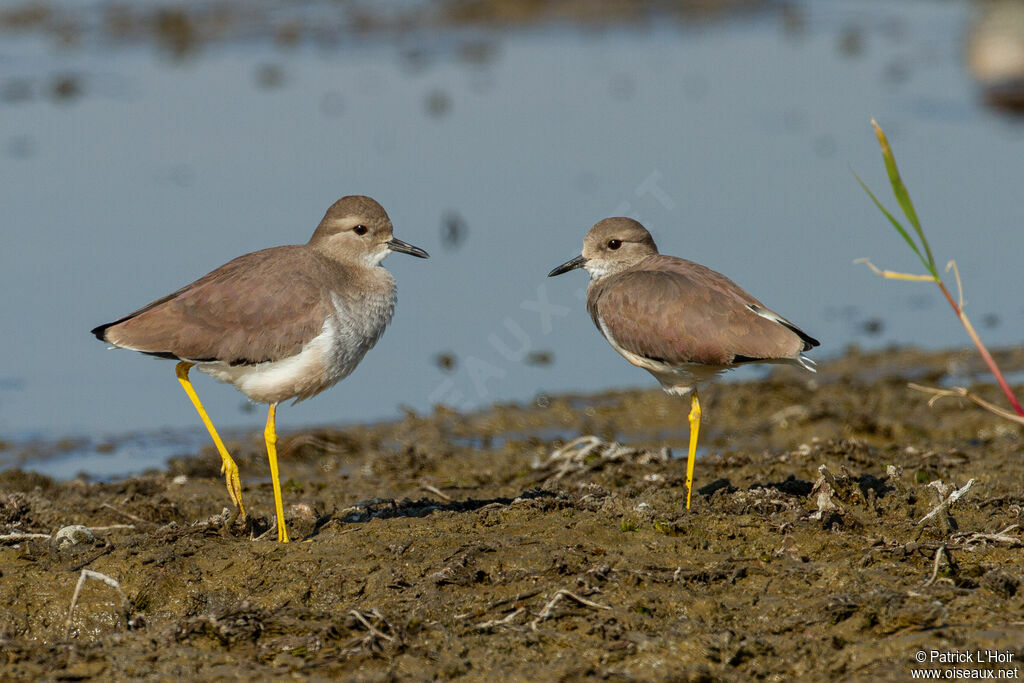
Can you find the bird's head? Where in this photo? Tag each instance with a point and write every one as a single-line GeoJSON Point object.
{"type": "Point", "coordinates": [356, 229]}
{"type": "Point", "coordinates": [611, 246]}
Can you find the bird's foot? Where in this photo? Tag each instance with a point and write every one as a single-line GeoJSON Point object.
{"type": "Point", "coordinates": [230, 471]}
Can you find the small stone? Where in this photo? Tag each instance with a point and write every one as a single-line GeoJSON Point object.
{"type": "Point", "coordinates": [72, 535]}
{"type": "Point", "coordinates": [302, 511]}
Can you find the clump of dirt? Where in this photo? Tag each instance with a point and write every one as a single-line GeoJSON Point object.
{"type": "Point", "coordinates": [839, 527]}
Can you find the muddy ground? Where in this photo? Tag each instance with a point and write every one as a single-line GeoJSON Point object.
{"type": "Point", "coordinates": [447, 546]}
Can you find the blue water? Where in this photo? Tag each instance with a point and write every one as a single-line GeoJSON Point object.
{"type": "Point", "coordinates": [734, 140]}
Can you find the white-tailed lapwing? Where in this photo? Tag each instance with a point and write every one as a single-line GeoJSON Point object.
{"type": "Point", "coordinates": [679, 320]}
{"type": "Point", "coordinates": [281, 323]}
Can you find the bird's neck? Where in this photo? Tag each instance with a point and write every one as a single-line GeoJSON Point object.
{"type": "Point", "coordinates": [601, 270]}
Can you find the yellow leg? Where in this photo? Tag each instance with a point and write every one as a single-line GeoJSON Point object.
{"type": "Point", "coordinates": [228, 467]}
{"type": "Point", "coordinates": [270, 434]}
{"type": "Point", "coordinates": [694, 430]}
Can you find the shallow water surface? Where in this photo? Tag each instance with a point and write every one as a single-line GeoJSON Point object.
{"type": "Point", "coordinates": [130, 167]}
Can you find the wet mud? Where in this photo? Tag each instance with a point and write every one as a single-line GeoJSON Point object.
{"type": "Point", "coordinates": [491, 546]}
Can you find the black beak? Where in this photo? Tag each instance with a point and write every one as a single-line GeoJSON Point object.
{"type": "Point", "coordinates": [571, 264]}
{"type": "Point", "coordinates": [398, 245]}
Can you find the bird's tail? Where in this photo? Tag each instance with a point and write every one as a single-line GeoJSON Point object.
{"type": "Point", "coordinates": [806, 363]}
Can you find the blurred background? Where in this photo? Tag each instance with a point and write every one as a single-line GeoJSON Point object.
{"type": "Point", "coordinates": [143, 144]}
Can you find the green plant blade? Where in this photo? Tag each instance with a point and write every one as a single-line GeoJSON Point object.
{"type": "Point", "coordinates": [900, 191]}
{"type": "Point", "coordinates": [899, 228]}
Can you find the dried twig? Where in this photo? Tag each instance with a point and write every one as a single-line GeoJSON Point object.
{"type": "Point", "coordinates": [20, 536]}
{"type": "Point", "coordinates": [563, 593]}
{"type": "Point", "coordinates": [373, 636]}
{"type": "Point", "coordinates": [588, 453]}
{"type": "Point", "coordinates": [271, 532]}
{"type": "Point", "coordinates": [935, 565]}
{"type": "Point", "coordinates": [960, 392]}
{"type": "Point", "coordinates": [518, 597]}
{"type": "Point", "coordinates": [998, 537]}
{"type": "Point", "coordinates": [97, 576]}
{"type": "Point", "coordinates": [436, 491]}
{"type": "Point", "coordinates": [505, 621]}
{"type": "Point", "coordinates": [948, 502]}
{"type": "Point", "coordinates": [129, 515]}
{"type": "Point", "coordinates": [373, 630]}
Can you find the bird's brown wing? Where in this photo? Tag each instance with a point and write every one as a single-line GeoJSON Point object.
{"type": "Point", "coordinates": [262, 306]}
{"type": "Point", "coordinates": [676, 311]}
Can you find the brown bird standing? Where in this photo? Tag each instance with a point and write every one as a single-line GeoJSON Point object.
{"type": "Point", "coordinates": [681, 321]}
{"type": "Point", "coordinates": [281, 323]}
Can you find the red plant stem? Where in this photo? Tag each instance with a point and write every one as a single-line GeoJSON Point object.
{"type": "Point", "coordinates": [982, 350]}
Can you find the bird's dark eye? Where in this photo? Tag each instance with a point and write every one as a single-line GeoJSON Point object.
{"type": "Point", "coordinates": [360, 229]}
{"type": "Point", "coordinates": [614, 244]}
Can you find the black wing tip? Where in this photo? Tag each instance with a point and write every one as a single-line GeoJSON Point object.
{"type": "Point", "coordinates": [809, 341]}
{"type": "Point", "coordinates": [101, 331]}
{"type": "Point", "coordinates": [101, 334]}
